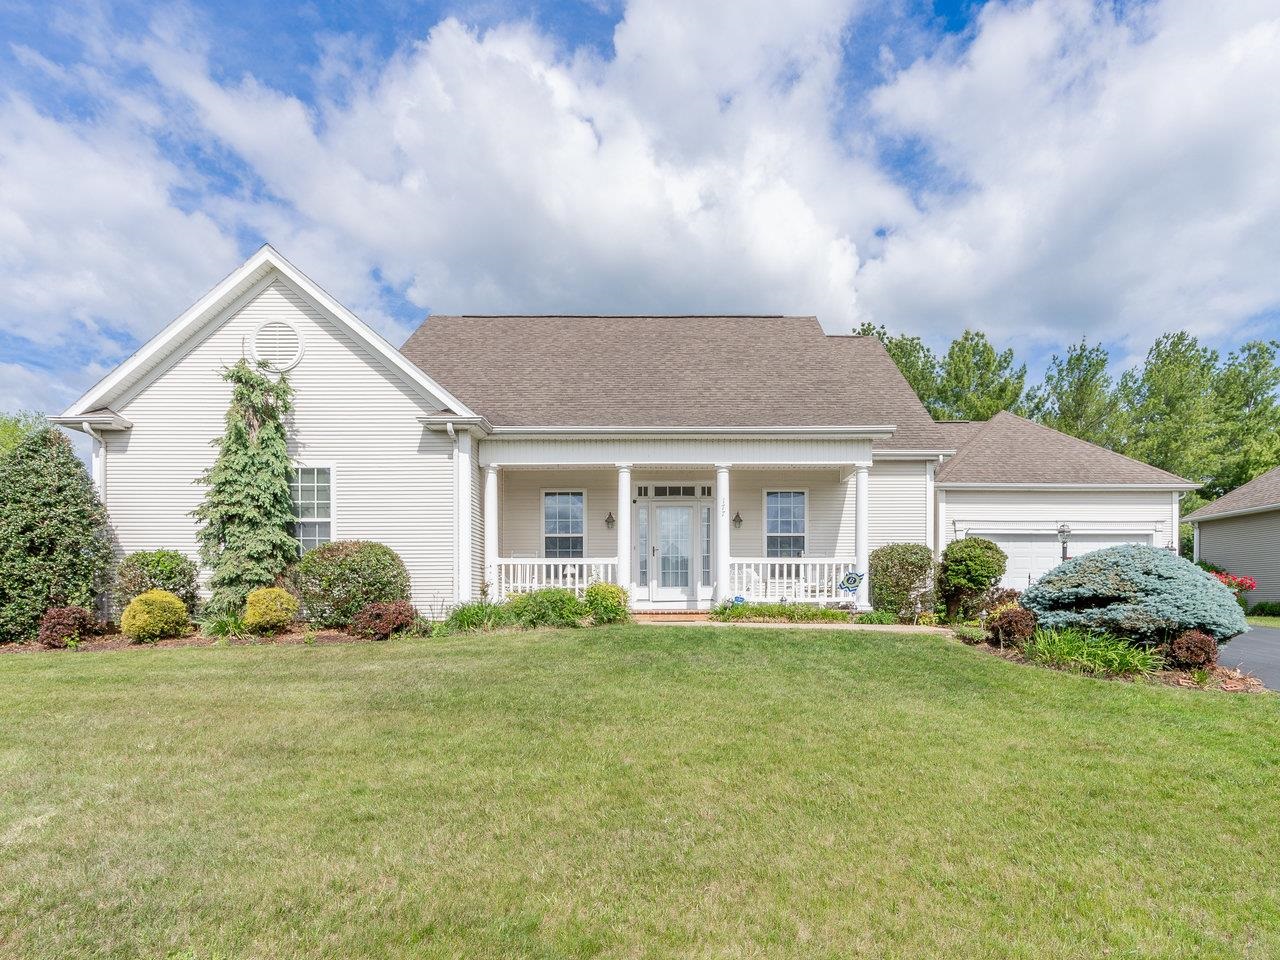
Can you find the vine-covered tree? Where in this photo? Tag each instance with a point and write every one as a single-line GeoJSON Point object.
{"type": "Point", "coordinates": [246, 515]}
{"type": "Point", "coordinates": [55, 546]}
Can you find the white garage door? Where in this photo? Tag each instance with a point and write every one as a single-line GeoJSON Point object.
{"type": "Point", "coordinates": [1031, 555]}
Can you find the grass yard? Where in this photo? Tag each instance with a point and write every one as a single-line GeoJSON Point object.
{"type": "Point", "coordinates": [628, 792]}
{"type": "Point", "coordinates": [1265, 621]}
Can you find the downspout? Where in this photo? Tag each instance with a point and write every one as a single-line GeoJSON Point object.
{"type": "Point", "coordinates": [99, 459]}
{"type": "Point", "coordinates": [457, 512]}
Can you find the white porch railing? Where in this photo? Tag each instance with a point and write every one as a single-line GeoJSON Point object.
{"type": "Point", "coordinates": [807, 581]}
{"type": "Point", "coordinates": [521, 576]}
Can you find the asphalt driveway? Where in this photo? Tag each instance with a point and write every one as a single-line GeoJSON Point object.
{"type": "Point", "coordinates": [1258, 652]}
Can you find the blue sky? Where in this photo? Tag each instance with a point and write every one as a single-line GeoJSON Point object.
{"type": "Point", "coordinates": [1044, 170]}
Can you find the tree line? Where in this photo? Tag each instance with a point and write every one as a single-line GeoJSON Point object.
{"type": "Point", "coordinates": [1187, 409]}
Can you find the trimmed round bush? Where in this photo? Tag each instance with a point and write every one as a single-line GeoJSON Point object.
{"type": "Point", "coordinates": [154, 615]}
{"type": "Point", "coordinates": [1143, 593]}
{"type": "Point", "coordinates": [1192, 649]}
{"type": "Point", "coordinates": [378, 621]}
{"type": "Point", "coordinates": [269, 610]}
{"type": "Point", "coordinates": [1011, 627]}
{"type": "Point", "coordinates": [900, 578]}
{"type": "Point", "coordinates": [157, 570]}
{"type": "Point", "coordinates": [970, 567]}
{"type": "Point", "coordinates": [548, 607]}
{"type": "Point", "coordinates": [62, 625]}
{"type": "Point", "coordinates": [337, 580]}
{"type": "Point", "coordinates": [608, 603]}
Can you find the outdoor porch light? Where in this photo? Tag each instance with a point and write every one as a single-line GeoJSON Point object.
{"type": "Point", "coordinates": [609, 521]}
{"type": "Point", "coordinates": [737, 519]}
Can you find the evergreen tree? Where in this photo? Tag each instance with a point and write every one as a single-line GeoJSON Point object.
{"type": "Point", "coordinates": [16, 427]}
{"type": "Point", "coordinates": [1077, 395]}
{"type": "Point", "coordinates": [246, 516]}
{"type": "Point", "coordinates": [54, 542]}
{"type": "Point", "coordinates": [1248, 416]}
{"type": "Point", "coordinates": [976, 382]}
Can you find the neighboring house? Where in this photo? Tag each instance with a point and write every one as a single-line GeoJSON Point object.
{"type": "Point", "coordinates": [728, 456]}
{"type": "Point", "coordinates": [1240, 532]}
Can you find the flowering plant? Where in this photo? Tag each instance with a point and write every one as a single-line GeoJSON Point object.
{"type": "Point", "coordinates": [1237, 585]}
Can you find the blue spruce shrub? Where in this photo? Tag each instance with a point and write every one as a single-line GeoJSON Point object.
{"type": "Point", "coordinates": [1133, 591]}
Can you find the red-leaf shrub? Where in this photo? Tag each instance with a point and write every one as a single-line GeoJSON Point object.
{"type": "Point", "coordinates": [1011, 627]}
{"type": "Point", "coordinates": [1191, 649]}
{"type": "Point", "coordinates": [378, 621]}
{"type": "Point", "coordinates": [62, 625]}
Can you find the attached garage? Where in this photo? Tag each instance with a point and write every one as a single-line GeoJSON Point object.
{"type": "Point", "coordinates": [1016, 483]}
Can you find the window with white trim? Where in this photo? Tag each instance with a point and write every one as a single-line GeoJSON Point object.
{"type": "Point", "coordinates": [784, 512]}
{"type": "Point", "coordinates": [563, 524]}
{"type": "Point", "coordinates": [311, 491]}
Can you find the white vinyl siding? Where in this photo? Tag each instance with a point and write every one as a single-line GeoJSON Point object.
{"type": "Point", "coordinates": [1247, 545]}
{"type": "Point", "coordinates": [350, 410]}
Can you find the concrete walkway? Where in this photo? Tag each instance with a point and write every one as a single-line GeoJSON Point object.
{"type": "Point", "coordinates": [1256, 652]}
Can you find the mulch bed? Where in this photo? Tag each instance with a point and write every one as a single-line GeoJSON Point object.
{"type": "Point", "coordinates": [1224, 679]}
{"type": "Point", "coordinates": [116, 641]}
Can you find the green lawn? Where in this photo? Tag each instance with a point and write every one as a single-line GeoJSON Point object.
{"type": "Point", "coordinates": [628, 792]}
{"type": "Point", "coordinates": [1265, 621]}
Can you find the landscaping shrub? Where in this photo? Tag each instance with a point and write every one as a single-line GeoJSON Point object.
{"type": "Point", "coordinates": [153, 616]}
{"type": "Point", "coordinates": [1011, 627]}
{"type": "Point", "coordinates": [477, 615]}
{"type": "Point", "coordinates": [378, 621]}
{"type": "Point", "coordinates": [1265, 608]}
{"type": "Point", "coordinates": [225, 626]}
{"type": "Point", "coordinates": [999, 598]}
{"type": "Point", "coordinates": [1134, 591]}
{"type": "Point", "coordinates": [970, 635]}
{"type": "Point", "coordinates": [54, 543]}
{"type": "Point", "coordinates": [970, 567]}
{"type": "Point", "coordinates": [269, 610]}
{"type": "Point", "coordinates": [901, 578]}
{"type": "Point", "coordinates": [881, 617]}
{"type": "Point", "coordinates": [778, 612]}
{"type": "Point", "coordinates": [337, 580]}
{"type": "Point", "coordinates": [157, 570]}
{"type": "Point", "coordinates": [1097, 654]}
{"type": "Point", "coordinates": [63, 626]}
{"type": "Point", "coordinates": [1191, 649]}
{"type": "Point", "coordinates": [548, 607]}
{"type": "Point", "coordinates": [608, 603]}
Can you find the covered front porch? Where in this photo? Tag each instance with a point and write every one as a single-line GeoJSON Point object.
{"type": "Point", "coordinates": [680, 536]}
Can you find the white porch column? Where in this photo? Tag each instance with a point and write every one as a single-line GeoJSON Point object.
{"type": "Point", "coordinates": [462, 492]}
{"type": "Point", "coordinates": [491, 521]}
{"type": "Point", "coordinates": [862, 520]}
{"type": "Point", "coordinates": [623, 526]}
{"type": "Point", "coordinates": [721, 545]}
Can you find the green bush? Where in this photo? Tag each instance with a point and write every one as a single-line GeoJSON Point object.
{"type": "Point", "coordinates": [153, 616]}
{"type": "Point", "coordinates": [970, 567]}
{"type": "Point", "coordinates": [157, 570]}
{"type": "Point", "coordinates": [54, 542]}
{"type": "Point", "coordinates": [224, 626]}
{"type": "Point", "coordinates": [548, 607]}
{"type": "Point", "coordinates": [901, 578]}
{"type": "Point", "coordinates": [1134, 591]}
{"type": "Point", "coordinates": [269, 610]}
{"type": "Point", "coordinates": [608, 603]}
{"type": "Point", "coordinates": [1265, 608]}
{"type": "Point", "coordinates": [778, 612]}
{"type": "Point", "coordinates": [337, 580]}
{"type": "Point", "coordinates": [477, 615]}
{"type": "Point", "coordinates": [879, 617]}
{"type": "Point", "coordinates": [1092, 653]}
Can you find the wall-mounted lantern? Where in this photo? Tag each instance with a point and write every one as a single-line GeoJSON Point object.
{"type": "Point", "coordinates": [737, 520]}
{"type": "Point", "coordinates": [609, 521]}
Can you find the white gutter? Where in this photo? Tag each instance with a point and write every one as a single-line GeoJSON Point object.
{"type": "Point", "coordinates": [850, 432]}
{"type": "Point", "coordinates": [944, 485]}
{"type": "Point", "coordinates": [1244, 512]}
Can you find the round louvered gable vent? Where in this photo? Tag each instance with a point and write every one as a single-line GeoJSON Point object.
{"type": "Point", "coordinates": [278, 345]}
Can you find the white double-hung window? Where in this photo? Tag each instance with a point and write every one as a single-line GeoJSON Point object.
{"type": "Point", "coordinates": [311, 490]}
{"type": "Point", "coordinates": [564, 525]}
{"type": "Point", "coordinates": [784, 513]}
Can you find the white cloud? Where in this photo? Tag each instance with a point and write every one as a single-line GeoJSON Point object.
{"type": "Point", "coordinates": [1118, 175]}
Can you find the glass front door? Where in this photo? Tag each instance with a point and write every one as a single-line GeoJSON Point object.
{"type": "Point", "coordinates": [673, 552]}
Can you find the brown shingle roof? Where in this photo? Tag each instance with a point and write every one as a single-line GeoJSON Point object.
{"type": "Point", "coordinates": [1009, 449]}
{"type": "Point", "coordinates": [1259, 493]}
{"type": "Point", "coordinates": [668, 371]}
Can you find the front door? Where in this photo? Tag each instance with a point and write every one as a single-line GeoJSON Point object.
{"type": "Point", "coordinates": [674, 571]}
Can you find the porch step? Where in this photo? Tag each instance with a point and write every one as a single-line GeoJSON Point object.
{"type": "Point", "coordinates": [671, 616]}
